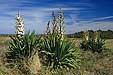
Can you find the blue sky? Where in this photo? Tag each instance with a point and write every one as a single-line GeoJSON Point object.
{"type": "Point", "coordinates": [80, 15]}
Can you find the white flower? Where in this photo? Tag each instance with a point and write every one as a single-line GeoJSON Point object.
{"type": "Point", "coordinates": [19, 25]}
{"type": "Point", "coordinates": [86, 36]}
{"type": "Point", "coordinates": [96, 35]}
{"type": "Point", "coordinates": [60, 23]}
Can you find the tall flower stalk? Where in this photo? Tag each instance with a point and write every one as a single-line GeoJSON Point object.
{"type": "Point", "coordinates": [54, 23]}
{"type": "Point", "coordinates": [96, 36]}
{"type": "Point", "coordinates": [86, 36]}
{"type": "Point", "coordinates": [61, 22]}
{"type": "Point", "coordinates": [19, 25]}
{"type": "Point", "coordinates": [48, 31]}
{"type": "Point", "coordinates": [57, 25]}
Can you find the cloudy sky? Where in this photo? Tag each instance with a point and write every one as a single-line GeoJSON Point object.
{"type": "Point", "coordinates": [79, 14]}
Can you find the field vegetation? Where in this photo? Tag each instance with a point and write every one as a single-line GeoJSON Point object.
{"type": "Point", "coordinates": [54, 53]}
{"type": "Point", "coordinates": [91, 63]}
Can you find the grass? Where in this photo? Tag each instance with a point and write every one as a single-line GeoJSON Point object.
{"type": "Point", "coordinates": [91, 63]}
{"type": "Point", "coordinates": [109, 43]}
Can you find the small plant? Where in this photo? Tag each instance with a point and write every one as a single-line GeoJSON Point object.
{"type": "Point", "coordinates": [56, 50]}
{"type": "Point", "coordinates": [94, 43]}
{"type": "Point", "coordinates": [23, 50]}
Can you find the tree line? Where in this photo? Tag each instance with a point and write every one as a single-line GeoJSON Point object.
{"type": "Point", "coordinates": [103, 34]}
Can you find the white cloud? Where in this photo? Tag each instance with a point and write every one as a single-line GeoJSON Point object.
{"type": "Point", "coordinates": [94, 24]}
{"type": "Point", "coordinates": [103, 25]}
{"type": "Point", "coordinates": [36, 18]}
{"type": "Point", "coordinates": [98, 19]}
{"type": "Point", "coordinates": [64, 9]}
{"type": "Point", "coordinates": [33, 20]}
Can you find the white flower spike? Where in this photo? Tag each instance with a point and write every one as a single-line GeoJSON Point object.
{"type": "Point", "coordinates": [19, 25]}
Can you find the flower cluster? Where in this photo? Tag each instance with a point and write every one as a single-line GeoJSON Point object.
{"type": "Point", "coordinates": [57, 25]}
{"type": "Point", "coordinates": [96, 36]}
{"type": "Point", "coordinates": [86, 36]}
{"type": "Point", "coordinates": [19, 25]}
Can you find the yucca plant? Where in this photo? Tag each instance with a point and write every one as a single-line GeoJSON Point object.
{"type": "Point", "coordinates": [23, 47]}
{"type": "Point", "coordinates": [56, 50]}
{"type": "Point", "coordinates": [94, 43]}
{"type": "Point", "coordinates": [22, 51]}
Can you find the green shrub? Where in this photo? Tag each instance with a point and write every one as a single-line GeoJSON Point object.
{"type": "Point", "coordinates": [59, 53]}
{"type": "Point", "coordinates": [93, 44]}
{"type": "Point", "coordinates": [56, 50]}
{"type": "Point", "coordinates": [22, 50]}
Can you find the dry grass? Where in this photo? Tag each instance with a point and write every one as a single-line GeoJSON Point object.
{"type": "Point", "coordinates": [91, 63]}
{"type": "Point", "coordinates": [109, 43]}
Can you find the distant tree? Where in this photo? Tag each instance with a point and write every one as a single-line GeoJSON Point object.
{"type": "Point", "coordinates": [103, 34]}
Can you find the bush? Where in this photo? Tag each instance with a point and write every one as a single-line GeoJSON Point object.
{"type": "Point", "coordinates": [94, 44]}
{"type": "Point", "coordinates": [22, 51]}
{"type": "Point", "coordinates": [59, 53]}
{"type": "Point", "coordinates": [56, 50]}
